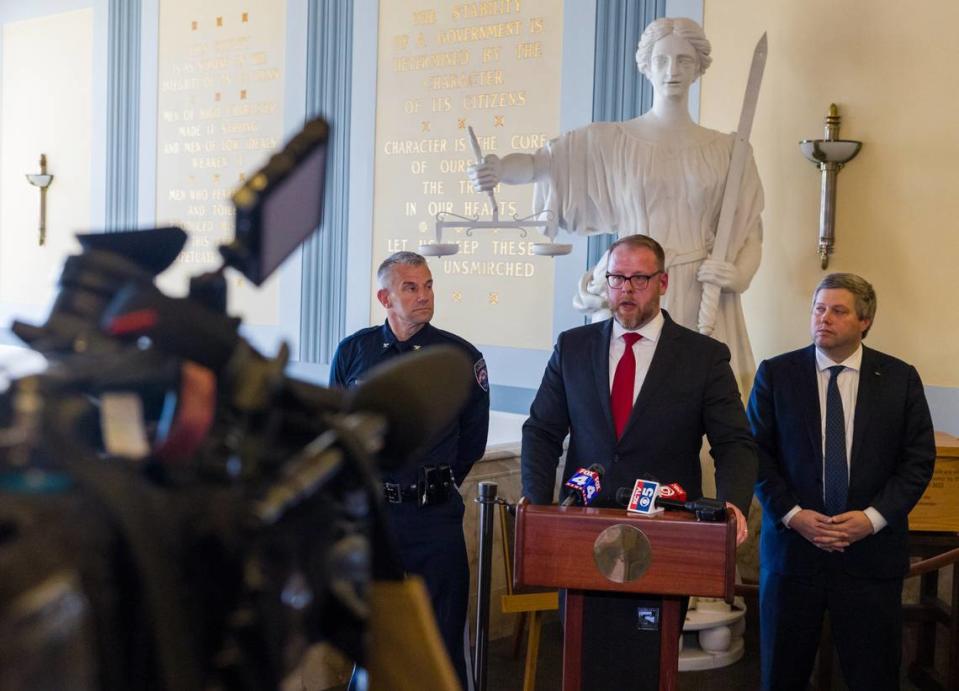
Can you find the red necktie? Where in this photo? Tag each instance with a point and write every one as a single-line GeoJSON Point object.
{"type": "Point", "coordinates": [621, 397]}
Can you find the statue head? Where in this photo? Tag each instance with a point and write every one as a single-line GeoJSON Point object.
{"type": "Point", "coordinates": [683, 28]}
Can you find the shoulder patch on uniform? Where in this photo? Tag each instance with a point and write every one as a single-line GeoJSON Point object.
{"type": "Point", "coordinates": [482, 376]}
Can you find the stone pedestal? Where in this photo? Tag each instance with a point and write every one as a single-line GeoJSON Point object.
{"type": "Point", "coordinates": [712, 634]}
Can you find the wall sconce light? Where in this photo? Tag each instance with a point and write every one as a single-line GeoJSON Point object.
{"type": "Point", "coordinates": [829, 155]}
{"type": "Point", "coordinates": [445, 249]}
{"type": "Point", "coordinates": [42, 180]}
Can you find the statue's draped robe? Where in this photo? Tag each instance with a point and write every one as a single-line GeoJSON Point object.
{"type": "Point", "coordinates": [605, 178]}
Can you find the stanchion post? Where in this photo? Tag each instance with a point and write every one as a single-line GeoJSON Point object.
{"type": "Point", "coordinates": [487, 505]}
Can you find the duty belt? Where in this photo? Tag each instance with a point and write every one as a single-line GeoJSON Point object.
{"type": "Point", "coordinates": [433, 486]}
{"type": "Point", "coordinates": [395, 493]}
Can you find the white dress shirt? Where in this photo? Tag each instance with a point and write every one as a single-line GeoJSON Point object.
{"type": "Point", "coordinates": [643, 349]}
{"type": "Point", "coordinates": [848, 382]}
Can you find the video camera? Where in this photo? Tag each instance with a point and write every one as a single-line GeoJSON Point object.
{"type": "Point", "coordinates": [175, 512]}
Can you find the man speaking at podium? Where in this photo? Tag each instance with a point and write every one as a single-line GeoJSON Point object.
{"type": "Point", "coordinates": [652, 422]}
{"type": "Point", "coordinates": [636, 393]}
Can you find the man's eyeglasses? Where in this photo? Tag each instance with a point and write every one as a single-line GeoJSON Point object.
{"type": "Point", "coordinates": [637, 281]}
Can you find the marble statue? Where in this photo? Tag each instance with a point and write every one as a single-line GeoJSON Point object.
{"type": "Point", "coordinates": [661, 175]}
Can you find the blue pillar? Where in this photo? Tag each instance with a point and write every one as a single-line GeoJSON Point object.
{"type": "Point", "coordinates": [620, 92]}
{"type": "Point", "coordinates": [323, 287]}
{"type": "Point", "coordinates": [123, 114]}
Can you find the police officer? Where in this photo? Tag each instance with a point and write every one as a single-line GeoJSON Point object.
{"type": "Point", "coordinates": [425, 509]}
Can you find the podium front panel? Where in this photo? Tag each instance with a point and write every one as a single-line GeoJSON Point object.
{"type": "Point", "coordinates": [554, 549]}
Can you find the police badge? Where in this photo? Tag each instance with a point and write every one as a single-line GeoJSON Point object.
{"type": "Point", "coordinates": [482, 376]}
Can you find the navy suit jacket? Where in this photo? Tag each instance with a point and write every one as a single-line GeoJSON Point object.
{"type": "Point", "coordinates": [893, 452]}
{"type": "Point", "coordinates": [689, 391]}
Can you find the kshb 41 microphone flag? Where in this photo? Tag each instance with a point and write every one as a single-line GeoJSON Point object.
{"type": "Point", "coordinates": [672, 491]}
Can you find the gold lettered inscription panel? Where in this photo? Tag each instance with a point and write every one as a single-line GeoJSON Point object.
{"type": "Point", "coordinates": [444, 66]}
{"type": "Point", "coordinates": [219, 117]}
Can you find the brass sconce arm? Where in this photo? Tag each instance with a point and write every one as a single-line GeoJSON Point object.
{"type": "Point", "coordinates": [829, 155]}
{"type": "Point", "coordinates": [42, 180]}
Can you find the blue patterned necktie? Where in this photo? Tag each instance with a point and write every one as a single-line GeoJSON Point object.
{"type": "Point", "coordinates": [836, 471]}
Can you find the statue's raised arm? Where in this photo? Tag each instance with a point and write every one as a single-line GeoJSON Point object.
{"type": "Point", "coordinates": [661, 175]}
{"type": "Point", "coordinates": [514, 169]}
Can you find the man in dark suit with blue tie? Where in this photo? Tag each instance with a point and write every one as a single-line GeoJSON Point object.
{"type": "Point", "coordinates": [636, 394]}
{"type": "Point", "coordinates": [846, 449]}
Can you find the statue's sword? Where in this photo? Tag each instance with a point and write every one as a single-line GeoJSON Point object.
{"type": "Point", "coordinates": [734, 178]}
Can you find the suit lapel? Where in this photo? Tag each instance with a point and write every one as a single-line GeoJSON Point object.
{"type": "Point", "coordinates": [870, 378]}
{"type": "Point", "coordinates": [807, 389]}
{"type": "Point", "coordinates": [599, 361]}
{"type": "Point", "coordinates": [660, 369]}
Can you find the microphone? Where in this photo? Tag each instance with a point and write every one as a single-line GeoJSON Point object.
{"type": "Point", "coordinates": [706, 509]}
{"type": "Point", "coordinates": [648, 498]}
{"type": "Point", "coordinates": [672, 491]}
{"type": "Point", "coordinates": [641, 499]}
{"type": "Point", "coordinates": [585, 484]}
{"type": "Point", "coordinates": [623, 494]}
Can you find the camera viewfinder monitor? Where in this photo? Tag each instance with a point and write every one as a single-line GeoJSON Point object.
{"type": "Point", "coordinates": [280, 205]}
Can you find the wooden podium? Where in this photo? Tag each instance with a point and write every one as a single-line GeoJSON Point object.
{"type": "Point", "coordinates": [555, 548]}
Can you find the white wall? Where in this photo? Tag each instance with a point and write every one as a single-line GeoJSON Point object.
{"type": "Point", "coordinates": [47, 107]}
{"type": "Point", "coordinates": [888, 66]}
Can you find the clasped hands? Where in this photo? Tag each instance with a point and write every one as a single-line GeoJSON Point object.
{"type": "Point", "coordinates": [831, 533]}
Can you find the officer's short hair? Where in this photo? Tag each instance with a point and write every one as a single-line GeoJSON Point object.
{"type": "Point", "coordinates": [385, 272]}
{"type": "Point", "coordinates": [641, 242]}
{"type": "Point", "coordinates": [862, 291]}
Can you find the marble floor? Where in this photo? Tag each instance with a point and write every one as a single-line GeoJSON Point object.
{"type": "Point", "coordinates": [506, 674]}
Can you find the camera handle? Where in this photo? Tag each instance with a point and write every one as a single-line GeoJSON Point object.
{"type": "Point", "coordinates": [209, 290]}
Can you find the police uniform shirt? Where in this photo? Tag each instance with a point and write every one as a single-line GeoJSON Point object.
{"type": "Point", "coordinates": [465, 441]}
